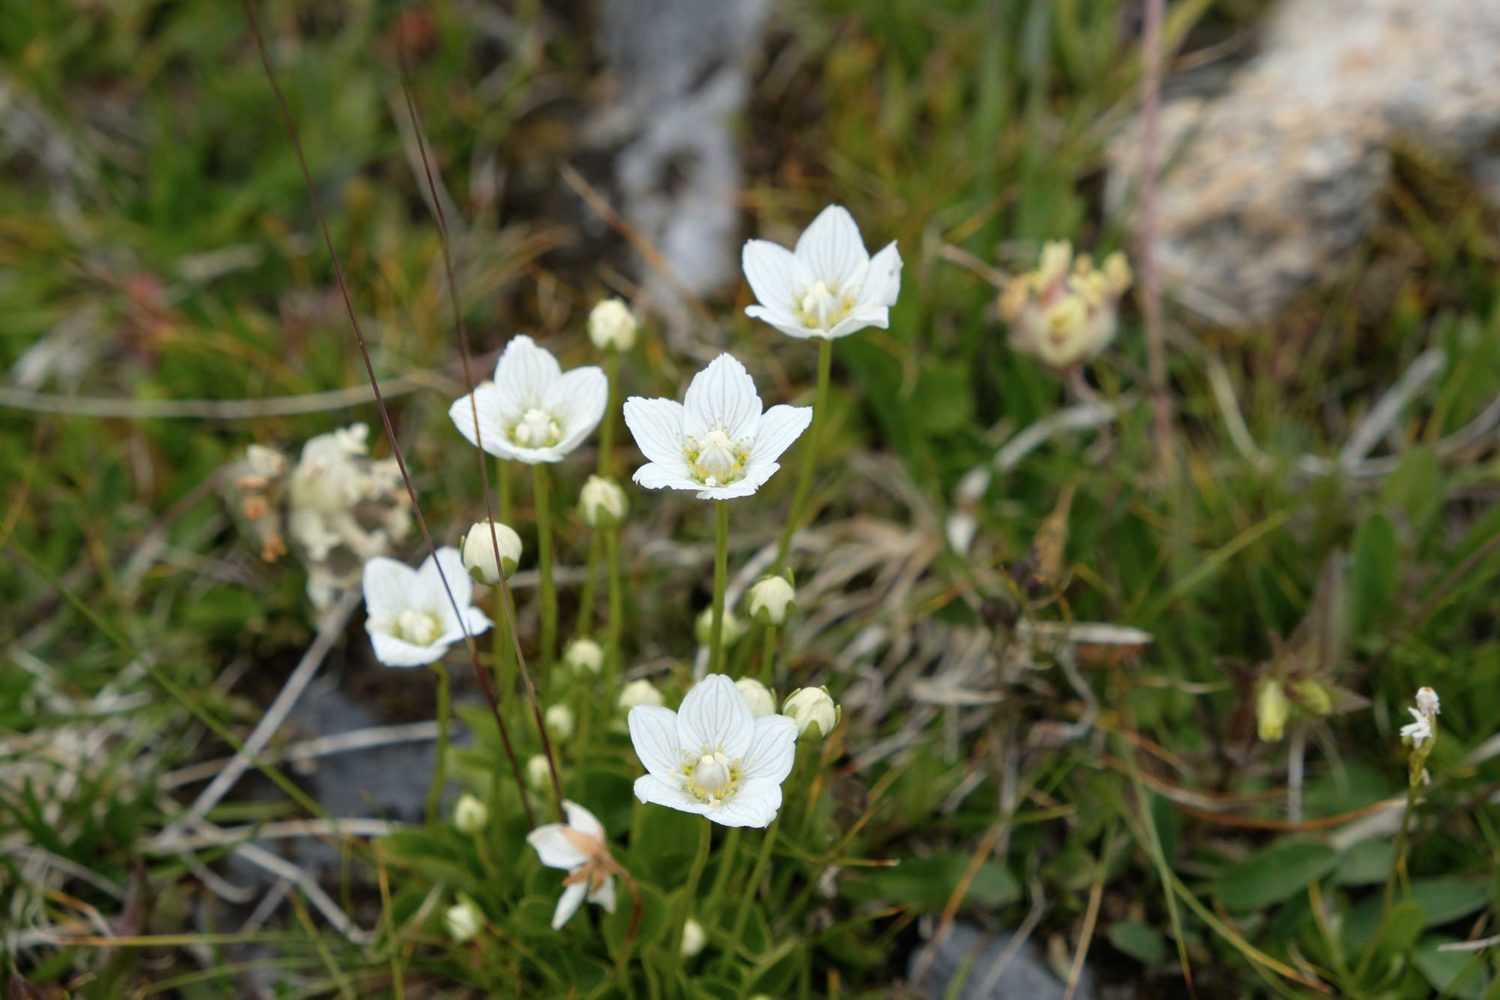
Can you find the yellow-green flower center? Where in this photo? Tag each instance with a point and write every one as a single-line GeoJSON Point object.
{"type": "Point", "coordinates": [420, 628]}
{"type": "Point", "coordinates": [712, 777]}
{"type": "Point", "coordinates": [821, 307]}
{"type": "Point", "coordinates": [715, 459]}
{"type": "Point", "coordinates": [536, 429]}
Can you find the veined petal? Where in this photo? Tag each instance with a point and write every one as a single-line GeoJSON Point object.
{"type": "Point", "coordinates": [430, 592]}
{"type": "Point", "coordinates": [739, 488]}
{"type": "Point", "coordinates": [775, 274]}
{"type": "Point", "coordinates": [861, 318]}
{"type": "Point", "coordinates": [779, 427]}
{"type": "Point", "coordinates": [882, 282]}
{"type": "Point", "coordinates": [529, 456]}
{"type": "Point", "coordinates": [654, 791]}
{"type": "Point", "coordinates": [568, 904]}
{"type": "Point", "coordinates": [715, 718]}
{"type": "Point", "coordinates": [386, 584]}
{"type": "Point", "coordinates": [655, 476]}
{"type": "Point", "coordinates": [656, 425]}
{"type": "Point", "coordinates": [604, 895]}
{"type": "Point", "coordinates": [393, 652]}
{"type": "Point", "coordinates": [493, 414]}
{"type": "Point", "coordinates": [476, 620]}
{"type": "Point", "coordinates": [577, 399]}
{"type": "Point", "coordinates": [773, 749]}
{"type": "Point", "coordinates": [555, 848]}
{"type": "Point", "coordinates": [653, 732]}
{"type": "Point", "coordinates": [525, 372]}
{"type": "Point", "coordinates": [721, 397]}
{"type": "Point", "coordinates": [832, 248]}
{"type": "Point", "coordinates": [754, 804]}
{"type": "Point", "coordinates": [582, 820]}
{"type": "Point", "coordinates": [785, 322]}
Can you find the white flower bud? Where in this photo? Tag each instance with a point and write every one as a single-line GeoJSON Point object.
{"type": "Point", "coordinates": [639, 692]}
{"type": "Point", "coordinates": [770, 600]}
{"type": "Point", "coordinates": [703, 628]}
{"type": "Point", "coordinates": [584, 656]}
{"type": "Point", "coordinates": [814, 711]}
{"type": "Point", "coordinates": [602, 503]}
{"type": "Point", "coordinates": [479, 551]}
{"type": "Point", "coordinates": [612, 326]}
{"type": "Point", "coordinates": [538, 773]}
{"type": "Point", "coordinates": [1427, 702]}
{"type": "Point", "coordinates": [756, 696]}
{"type": "Point", "coordinates": [694, 937]}
{"type": "Point", "coordinates": [559, 720]}
{"type": "Point", "coordinates": [470, 815]}
{"type": "Point", "coordinates": [463, 920]}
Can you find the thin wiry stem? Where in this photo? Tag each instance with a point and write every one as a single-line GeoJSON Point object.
{"type": "Point", "coordinates": [721, 577]}
{"type": "Point", "coordinates": [1156, 351]}
{"type": "Point", "coordinates": [809, 455]}
{"type": "Point", "coordinates": [440, 751]}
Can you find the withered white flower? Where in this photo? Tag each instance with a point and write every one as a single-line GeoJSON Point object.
{"type": "Point", "coordinates": [829, 286]}
{"type": "Point", "coordinates": [580, 848]}
{"type": "Point", "coordinates": [717, 442]}
{"type": "Point", "coordinates": [1065, 311]}
{"type": "Point", "coordinates": [612, 326]}
{"type": "Point", "coordinates": [713, 757]}
{"type": "Point", "coordinates": [1427, 702]}
{"type": "Point", "coordinates": [410, 620]}
{"type": "Point", "coordinates": [532, 412]}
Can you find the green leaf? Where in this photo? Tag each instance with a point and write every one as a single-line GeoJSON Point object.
{"type": "Point", "coordinates": [1453, 973]}
{"type": "Point", "coordinates": [1403, 928]}
{"type": "Point", "coordinates": [1366, 863]}
{"type": "Point", "coordinates": [1442, 900]}
{"type": "Point", "coordinates": [942, 401]}
{"type": "Point", "coordinates": [654, 914]}
{"type": "Point", "coordinates": [926, 883]}
{"type": "Point", "coordinates": [1280, 872]}
{"type": "Point", "coordinates": [1139, 941]}
{"type": "Point", "coordinates": [1372, 572]}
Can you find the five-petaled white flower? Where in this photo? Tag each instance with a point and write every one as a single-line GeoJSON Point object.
{"type": "Point", "coordinates": [713, 757]}
{"type": "Point", "coordinates": [411, 620]}
{"type": "Point", "coordinates": [716, 442]}
{"type": "Point", "coordinates": [579, 847]}
{"type": "Point", "coordinates": [532, 412]}
{"type": "Point", "coordinates": [829, 286]}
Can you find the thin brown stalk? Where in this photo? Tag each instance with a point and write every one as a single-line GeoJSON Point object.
{"type": "Point", "coordinates": [1156, 351]}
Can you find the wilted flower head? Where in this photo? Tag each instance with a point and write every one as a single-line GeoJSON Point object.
{"type": "Point", "coordinates": [1064, 312]}
{"type": "Point", "coordinates": [532, 412]}
{"type": "Point", "coordinates": [411, 619]}
{"type": "Point", "coordinates": [579, 847]}
{"type": "Point", "coordinates": [639, 692]}
{"type": "Point", "coordinates": [602, 503]}
{"type": "Point", "coordinates": [584, 656]}
{"type": "Point", "coordinates": [757, 696]}
{"type": "Point", "coordinates": [463, 920]}
{"type": "Point", "coordinates": [713, 757]}
{"type": "Point", "coordinates": [717, 442]}
{"type": "Point", "coordinates": [470, 815]}
{"type": "Point", "coordinates": [612, 326]}
{"type": "Point", "coordinates": [829, 286]}
{"type": "Point", "coordinates": [814, 711]}
{"type": "Point", "coordinates": [770, 600]}
{"type": "Point", "coordinates": [479, 551]}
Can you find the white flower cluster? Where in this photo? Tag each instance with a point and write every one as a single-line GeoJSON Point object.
{"type": "Point", "coordinates": [1064, 312]}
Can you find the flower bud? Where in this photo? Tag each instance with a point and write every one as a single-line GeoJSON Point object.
{"type": "Point", "coordinates": [770, 600]}
{"type": "Point", "coordinates": [463, 920]}
{"type": "Point", "coordinates": [612, 326]}
{"type": "Point", "coordinates": [640, 692]}
{"type": "Point", "coordinates": [694, 937]}
{"type": "Point", "coordinates": [1313, 696]}
{"type": "Point", "coordinates": [814, 711]}
{"type": "Point", "coordinates": [559, 719]}
{"type": "Point", "coordinates": [756, 696]}
{"type": "Point", "coordinates": [602, 503]}
{"type": "Point", "coordinates": [584, 656]}
{"type": "Point", "coordinates": [479, 551]}
{"type": "Point", "coordinates": [703, 628]}
{"type": "Point", "coordinates": [538, 773]}
{"type": "Point", "coordinates": [1427, 702]}
{"type": "Point", "coordinates": [470, 815]}
{"type": "Point", "coordinates": [1271, 709]}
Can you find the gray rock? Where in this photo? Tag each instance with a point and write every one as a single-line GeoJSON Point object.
{"type": "Point", "coordinates": [1024, 976]}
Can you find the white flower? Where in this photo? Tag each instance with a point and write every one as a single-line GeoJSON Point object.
{"type": "Point", "coordinates": [770, 600]}
{"type": "Point", "coordinates": [470, 815]}
{"type": "Point", "coordinates": [479, 551]}
{"type": "Point", "coordinates": [717, 442]}
{"type": "Point", "coordinates": [532, 412]}
{"type": "Point", "coordinates": [757, 696]}
{"type": "Point", "coordinates": [1065, 311]}
{"type": "Point", "coordinates": [538, 773]}
{"type": "Point", "coordinates": [602, 503]}
{"type": "Point", "coordinates": [559, 719]}
{"type": "Point", "coordinates": [829, 286]}
{"type": "Point", "coordinates": [814, 711]}
{"type": "Point", "coordinates": [1418, 732]}
{"type": "Point", "coordinates": [584, 656]}
{"type": "Point", "coordinates": [612, 326]}
{"type": "Point", "coordinates": [463, 920]}
{"type": "Point", "coordinates": [411, 620]}
{"type": "Point", "coordinates": [579, 847]}
{"type": "Point", "coordinates": [694, 937]}
{"type": "Point", "coordinates": [639, 692]}
{"type": "Point", "coordinates": [713, 757]}
{"type": "Point", "coordinates": [1427, 702]}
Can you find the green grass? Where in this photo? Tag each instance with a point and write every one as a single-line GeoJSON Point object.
{"type": "Point", "coordinates": [980, 126]}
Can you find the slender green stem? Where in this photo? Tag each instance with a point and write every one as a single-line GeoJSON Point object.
{"type": "Point", "coordinates": [543, 500]}
{"type": "Point", "coordinates": [752, 886]}
{"type": "Point", "coordinates": [504, 477]}
{"type": "Point", "coordinates": [1398, 863]}
{"type": "Point", "coordinates": [585, 624]}
{"type": "Point", "coordinates": [721, 578]}
{"type": "Point", "coordinates": [689, 892]}
{"type": "Point", "coordinates": [809, 455]}
{"type": "Point", "coordinates": [607, 427]}
{"type": "Point", "coordinates": [616, 625]}
{"type": "Point", "coordinates": [727, 851]}
{"type": "Point", "coordinates": [440, 763]}
{"type": "Point", "coordinates": [768, 657]}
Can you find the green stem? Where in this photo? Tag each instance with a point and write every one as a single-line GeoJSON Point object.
{"type": "Point", "coordinates": [721, 577]}
{"type": "Point", "coordinates": [768, 657]}
{"type": "Point", "coordinates": [727, 851]}
{"type": "Point", "coordinates": [1398, 862]}
{"type": "Point", "coordinates": [689, 891]}
{"type": "Point", "coordinates": [506, 490]}
{"type": "Point", "coordinates": [585, 625]}
{"type": "Point", "coordinates": [616, 624]}
{"type": "Point", "coordinates": [543, 502]}
{"type": "Point", "coordinates": [809, 454]}
{"type": "Point", "coordinates": [753, 885]}
{"type": "Point", "coordinates": [440, 763]}
{"type": "Point", "coordinates": [607, 427]}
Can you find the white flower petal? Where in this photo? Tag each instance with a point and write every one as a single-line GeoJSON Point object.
{"type": "Point", "coordinates": [785, 322]}
{"type": "Point", "coordinates": [493, 416]}
{"type": "Point", "coordinates": [654, 476]}
{"type": "Point", "coordinates": [430, 590]}
{"type": "Point", "coordinates": [739, 488]}
{"type": "Point", "coordinates": [832, 248]}
{"type": "Point", "coordinates": [525, 372]}
{"type": "Point", "coordinates": [654, 791]}
{"type": "Point", "coordinates": [882, 283]}
{"type": "Point", "coordinates": [577, 400]}
{"type": "Point", "coordinates": [754, 804]}
{"type": "Point", "coordinates": [393, 652]}
{"type": "Point", "coordinates": [656, 425]}
{"type": "Point", "coordinates": [555, 848]}
{"type": "Point", "coordinates": [714, 718]}
{"type": "Point", "coordinates": [653, 731]}
{"type": "Point", "coordinates": [779, 427]}
{"type": "Point", "coordinates": [773, 749]}
{"type": "Point", "coordinates": [568, 904]}
{"type": "Point", "coordinates": [860, 319]}
{"type": "Point", "coordinates": [477, 621]}
{"type": "Point", "coordinates": [721, 397]}
{"type": "Point", "coordinates": [775, 274]}
{"type": "Point", "coordinates": [604, 895]}
{"type": "Point", "coordinates": [386, 584]}
{"type": "Point", "coordinates": [582, 820]}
